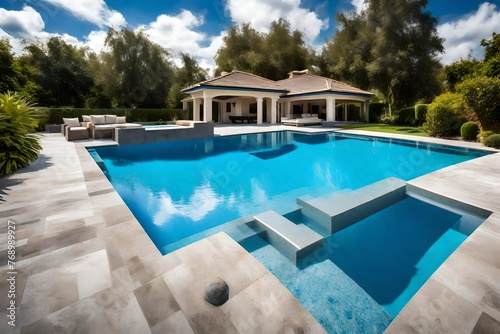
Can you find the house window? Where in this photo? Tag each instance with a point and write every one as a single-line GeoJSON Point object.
{"type": "Point", "coordinates": [228, 107]}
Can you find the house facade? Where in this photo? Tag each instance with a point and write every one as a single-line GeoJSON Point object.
{"type": "Point", "coordinates": [243, 96]}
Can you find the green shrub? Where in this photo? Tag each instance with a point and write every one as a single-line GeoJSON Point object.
{"type": "Point", "coordinates": [376, 111]}
{"type": "Point", "coordinates": [405, 116]}
{"type": "Point", "coordinates": [55, 115]}
{"type": "Point", "coordinates": [482, 95]}
{"type": "Point", "coordinates": [485, 134]}
{"type": "Point", "coordinates": [493, 141]}
{"type": "Point", "coordinates": [469, 131]}
{"type": "Point", "coordinates": [421, 113]}
{"type": "Point", "coordinates": [445, 115]}
{"type": "Point", "coordinates": [18, 121]}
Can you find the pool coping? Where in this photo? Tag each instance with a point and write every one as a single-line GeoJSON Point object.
{"type": "Point", "coordinates": [138, 268]}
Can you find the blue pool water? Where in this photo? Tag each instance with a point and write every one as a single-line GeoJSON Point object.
{"type": "Point", "coordinates": [178, 189]}
{"type": "Point", "coordinates": [362, 276]}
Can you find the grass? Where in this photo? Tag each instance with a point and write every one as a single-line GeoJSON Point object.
{"type": "Point", "coordinates": [405, 130]}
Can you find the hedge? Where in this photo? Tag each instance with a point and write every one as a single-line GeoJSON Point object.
{"type": "Point", "coordinates": [421, 113]}
{"type": "Point", "coordinates": [445, 115]}
{"type": "Point", "coordinates": [405, 116]}
{"type": "Point", "coordinates": [55, 115]}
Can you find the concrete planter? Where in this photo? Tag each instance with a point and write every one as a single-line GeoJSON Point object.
{"type": "Point", "coordinates": [53, 128]}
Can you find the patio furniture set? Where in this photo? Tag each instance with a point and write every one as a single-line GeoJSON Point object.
{"type": "Point", "coordinates": [94, 126]}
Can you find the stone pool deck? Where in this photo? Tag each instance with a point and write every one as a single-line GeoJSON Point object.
{"type": "Point", "coordinates": [84, 263]}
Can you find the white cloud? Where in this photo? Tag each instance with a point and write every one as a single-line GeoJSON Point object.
{"type": "Point", "coordinates": [463, 35]}
{"type": "Point", "coordinates": [179, 34]}
{"type": "Point", "coordinates": [359, 5]}
{"type": "Point", "coordinates": [95, 11]}
{"type": "Point", "coordinates": [95, 40]}
{"type": "Point", "coordinates": [24, 22]}
{"type": "Point", "coordinates": [260, 13]}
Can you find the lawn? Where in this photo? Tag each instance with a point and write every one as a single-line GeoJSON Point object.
{"type": "Point", "coordinates": [405, 130]}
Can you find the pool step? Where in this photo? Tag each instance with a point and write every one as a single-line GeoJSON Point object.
{"type": "Point", "coordinates": [290, 239]}
{"type": "Point", "coordinates": [343, 209]}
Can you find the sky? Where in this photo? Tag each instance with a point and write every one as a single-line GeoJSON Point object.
{"type": "Point", "coordinates": [198, 27]}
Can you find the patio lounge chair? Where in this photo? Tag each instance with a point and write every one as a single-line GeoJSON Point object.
{"type": "Point", "coordinates": [73, 130]}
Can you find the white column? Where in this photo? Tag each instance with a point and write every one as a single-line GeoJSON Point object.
{"type": "Point", "coordinates": [287, 108]}
{"type": "Point", "coordinates": [273, 110]}
{"type": "Point", "coordinates": [330, 109]}
{"type": "Point", "coordinates": [259, 110]}
{"type": "Point", "coordinates": [196, 108]}
{"type": "Point", "coordinates": [207, 109]}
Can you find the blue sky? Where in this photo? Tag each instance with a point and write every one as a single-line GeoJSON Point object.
{"type": "Point", "coordinates": [198, 27]}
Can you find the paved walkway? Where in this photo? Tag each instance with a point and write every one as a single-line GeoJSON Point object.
{"type": "Point", "coordinates": [84, 263]}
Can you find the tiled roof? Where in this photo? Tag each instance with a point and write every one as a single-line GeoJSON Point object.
{"type": "Point", "coordinates": [309, 83]}
{"type": "Point", "coordinates": [238, 79]}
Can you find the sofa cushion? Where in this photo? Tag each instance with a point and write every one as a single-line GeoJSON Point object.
{"type": "Point", "coordinates": [121, 119]}
{"type": "Point", "coordinates": [77, 128]}
{"type": "Point", "coordinates": [71, 122]}
{"type": "Point", "coordinates": [104, 127]}
{"type": "Point", "coordinates": [86, 118]}
{"type": "Point", "coordinates": [110, 119]}
{"type": "Point", "coordinates": [98, 119]}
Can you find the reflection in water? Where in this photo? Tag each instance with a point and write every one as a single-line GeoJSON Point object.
{"type": "Point", "coordinates": [202, 201]}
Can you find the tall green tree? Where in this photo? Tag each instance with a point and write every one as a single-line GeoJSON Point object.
{"type": "Point", "coordinates": [391, 47]}
{"type": "Point", "coordinates": [190, 73]}
{"type": "Point", "coordinates": [270, 55]}
{"type": "Point", "coordinates": [457, 71]}
{"type": "Point", "coordinates": [141, 71]}
{"type": "Point", "coordinates": [9, 68]}
{"type": "Point", "coordinates": [60, 72]}
{"type": "Point", "coordinates": [242, 50]}
{"type": "Point", "coordinates": [491, 62]}
{"type": "Point", "coordinates": [348, 54]}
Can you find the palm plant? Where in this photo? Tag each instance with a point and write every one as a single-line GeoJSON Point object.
{"type": "Point", "coordinates": [19, 144]}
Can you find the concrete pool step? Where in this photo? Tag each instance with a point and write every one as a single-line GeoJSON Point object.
{"type": "Point", "coordinates": [290, 239]}
{"type": "Point", "coordinates": [343, 209]}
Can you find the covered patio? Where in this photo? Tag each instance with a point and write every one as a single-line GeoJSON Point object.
{"type": "Point", "coordinates": [240, 97]}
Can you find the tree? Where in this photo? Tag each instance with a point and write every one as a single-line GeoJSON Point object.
{"type": "Point", "coordinates": [271, 55]}
{"type": "Point", "coordinates": [190, 73]}
{"type": "Point", "coordinates": [491, 62]}
{"type": "Point", "coordinates": [60, 72]}
{"type": "Point", "coordinates": [9, 68]}
{"type": "Point", "coordinates": [392, 47]}
{"type": "Point", "coordinates": [138, 71]}
{"type": "Point", "coordinates": [456, 72]}
{"type": "Point", "coordinates": [346, 57]}
{"type": "Point", "coordinates": [242, 50]}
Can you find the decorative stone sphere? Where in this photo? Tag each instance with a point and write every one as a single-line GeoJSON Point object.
{"type": "Point", "coordinates": [217, 292]}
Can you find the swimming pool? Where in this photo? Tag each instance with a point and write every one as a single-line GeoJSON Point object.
{"type": "Point", "coordinates": [179, 189]}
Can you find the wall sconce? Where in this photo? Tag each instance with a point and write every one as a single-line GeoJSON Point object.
{"type": "Point", "coordinates": [233, 104]}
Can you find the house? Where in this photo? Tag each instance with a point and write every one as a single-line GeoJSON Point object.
{"type": "Point", "coordinates": [241, 96]}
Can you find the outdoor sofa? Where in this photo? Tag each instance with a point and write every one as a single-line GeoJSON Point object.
{"type": "Point", "coordinates": [307, 119]}
{"type": "Point", "coordinates": [102, 126]}
{"type": "Point", "coordinates": [94, 126]}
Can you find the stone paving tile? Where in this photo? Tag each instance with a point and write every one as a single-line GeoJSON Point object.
{"type": "Point", "coordinates": [156, 301]}
{"type": "Point", "coordinates": [486, 325]}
